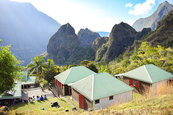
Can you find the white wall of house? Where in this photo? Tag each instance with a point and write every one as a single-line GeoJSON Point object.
{"type": "Point", "coordinates": [117, 99]}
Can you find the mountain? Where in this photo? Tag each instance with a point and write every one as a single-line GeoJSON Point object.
{"type": "Point", "coordinates": [151, 21]}
{"type": "Point", "coordinates": [86, 37]}
{"type": "Point", "coordinates": [26, 28]}
{"type": "Point", "coordinates": [121, 37]}
{"type": "Point", "coordinates": [104, 34]}
{"type": "Point", "coordinates": [99, 42]}
{"type": "Point", "coordinates": [163, 35]}
{"type": "Point", "coordinates": [64, 47]}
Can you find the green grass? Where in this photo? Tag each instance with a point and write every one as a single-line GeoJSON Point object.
{"type": "Point", "coordinates": [73, 102]}
{"type": "Point", "coordinates": [36, 106]}
{"type": "Point", "coordinates": [144, 105]}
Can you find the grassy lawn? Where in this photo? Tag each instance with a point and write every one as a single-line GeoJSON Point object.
{"type": "Point", "coordinates": [73, 102]}
{"type": "Point", "coordinates": [36, 106]}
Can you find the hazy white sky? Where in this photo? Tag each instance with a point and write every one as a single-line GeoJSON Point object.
{"type": "Point", "coordinates": [97, 15]}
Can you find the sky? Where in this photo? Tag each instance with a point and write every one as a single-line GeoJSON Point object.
{"type": "Point", "coordinates": [97, 15]}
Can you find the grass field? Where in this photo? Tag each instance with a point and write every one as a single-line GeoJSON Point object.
{"type": "Point", "coordinates": [161, 104]}
{"type": "Point", "coordinates": [37, 105]}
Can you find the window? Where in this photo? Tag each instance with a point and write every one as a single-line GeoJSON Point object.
{"type": "Point", "coordinates": [97, 101]}
{"type": "Point", "coordinates": [134, 82]}
{"type": "Point", "coordinates": [111, 97]}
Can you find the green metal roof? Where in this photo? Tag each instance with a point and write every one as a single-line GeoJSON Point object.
{"type": "Point", "coordinates": [27, 79]}
{"type": "Point", "coordinates": [73, 74]}
{"type": "Point", "coordinates": [148, 73]}
{"type": "Point", "coordinates": [15, 94]}
{"type": "Point", "coordinates": [100, 85]}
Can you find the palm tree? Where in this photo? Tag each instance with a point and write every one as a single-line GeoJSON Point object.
{"type": "Point", "coordinates": [36, 65]}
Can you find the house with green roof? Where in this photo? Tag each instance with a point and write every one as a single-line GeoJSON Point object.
{"type": "Point", "coordinates": [147, 78]}
{"type": "Point", "coordinates": [27, 81]}
{"type": "Point", "coordinates": [98, 91]}
{"type": "Point", "coordinates": [71, 75]}
{"type": "Point", "coordinates": [12, 96]}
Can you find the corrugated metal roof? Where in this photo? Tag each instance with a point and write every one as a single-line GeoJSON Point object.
{"type": "Point", "coordinates": [15, 94]}
{"type": "Point", "coordinates": [100, 85]}
{"type": "Point", "coordinates": [148, 73]}
{"type": "Point", "coordinates": [73, 74]}
{"type": "Point", "coordinates": [28, 79]}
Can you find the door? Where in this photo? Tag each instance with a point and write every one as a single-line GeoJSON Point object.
{"type": "Point", "coordinates": [81, 101]}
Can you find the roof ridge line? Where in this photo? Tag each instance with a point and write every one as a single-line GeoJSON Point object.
{"type": "Point", "coordinates": [92, 87]}
{"type": "Point", "coordinates": [148, 73]}
{"type": "Point", "coordinates": [68, 74]}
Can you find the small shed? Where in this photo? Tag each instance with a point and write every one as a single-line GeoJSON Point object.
{"type": "Point", "coordinates": [147, 78]}
{"type": "Point", "coordinates": [70, 76]}
{"type": "Point", "coordinates": [27, 81]}
{"type": "Point", "coordinates": [10, 97]}
{"type": "Point", "coordinates": [98, 91]}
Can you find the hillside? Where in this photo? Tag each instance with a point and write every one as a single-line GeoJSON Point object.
{"type": "Point", "coordinates": [143, 105]}
{"type": "Point", "coordinates": [26, 28]}
{"type": "Point", "coordinates": [151, 21]}
{"type": "Point", "coordinates": [121, 36]}
{"type": "Point", "coordinates": [64, 47]}
{"type": "Point", "coordinates": [86, 37]}
{"type": "Point", "coordinates": [163, 35]}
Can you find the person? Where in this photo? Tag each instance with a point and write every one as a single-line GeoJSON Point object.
{"type": "Point", "coordinates": [41, 98]}
{"type": "Point", "coordinates": [25, 100]}
{"type": "Point", "coordinates": [45, 97]}
{"type": "Point", "coordinates": [33, 98]}
{"type": "Point", "coordinates": [38, 98]}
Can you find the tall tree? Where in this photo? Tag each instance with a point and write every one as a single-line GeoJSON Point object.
{"type": "Point", "coordinates": [9, 69]}
{"type": "Point", "coordinates": [50, 70]}
{"type": "Point", "coordinates": [36, 66]}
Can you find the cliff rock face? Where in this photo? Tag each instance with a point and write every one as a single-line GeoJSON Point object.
{"type": "Point", "coordinates": [99, 42]}
{"type": "Point", "coordinates": [151, 21]}
{"type": "Point", "coordinates": [163, 35]}
{"type": "Point", "coordinates": [121, 37]}
{"type": "Point", "coordinates": [26, 28]}
{"type": "Point", "coordinates": [62, 44]}
{"type": "Point", "coordinates": [64, 47]}
{"type": "Point", "coordinates": [86, 37]}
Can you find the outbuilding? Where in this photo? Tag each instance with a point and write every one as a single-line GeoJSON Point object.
{"type": "Point", "coordinates": [11, 97]}
{"type": "Point", "coordinates": [99, 91]}
{"type": "Point", "coordinates": [70, 76]}
{"type": "Point", "coordinates": [147, 79]}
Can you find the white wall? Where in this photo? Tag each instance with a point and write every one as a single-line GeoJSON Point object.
{"type": "Point", "coordinates": [117, 99]}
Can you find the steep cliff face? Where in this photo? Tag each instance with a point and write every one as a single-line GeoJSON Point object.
{"type": "Point", "coordinates": [163, 35]}
{"type": "Point", "coordinates": [26, 28]}
{"type": "Point", "coordinates": [99, 42]}
{"type": "Point", "coordinates": [64, 47]}
{"type": "Point", "coordinates": [86, 37]}
{"type": "Point", "coordinates": [62, 44]}
{"type": "Point", "coordinates": [121, 37]}
{"type": "Point", "coordinates": [151, 21]}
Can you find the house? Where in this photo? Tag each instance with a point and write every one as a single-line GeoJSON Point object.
{"type": "Point", "coordinates": [147, 78]}
{"type": "Point", "coordinates": [70, 76]}
{"type": "Point", "coordinates": [98, 91]}
{"type": "Point", "coordinates": [10, 97]}
{"type": "Point", "coordinates": [27, 81]}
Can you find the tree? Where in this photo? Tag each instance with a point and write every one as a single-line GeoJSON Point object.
{"type": "Point", "coordinates": [9, 69]}
{"type": "Point", "coordinates": [90, 65]}
{"type": "Point", "coordinates": [36, 66]}
{"type": "Point", "coordinates": [50, 70]}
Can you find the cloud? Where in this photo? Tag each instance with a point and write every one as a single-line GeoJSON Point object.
{"type": "Point", "coordinates": [142, 8]}
{"type": "Point", "coordinates": [129, 5]}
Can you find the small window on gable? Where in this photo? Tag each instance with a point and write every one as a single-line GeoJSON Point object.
{"type": "Point", "coordinates": [111, 97]}
{"type": "Point", "coordinates": [97, 101]}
